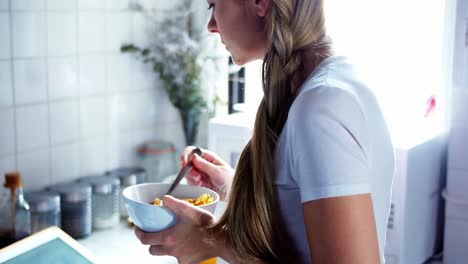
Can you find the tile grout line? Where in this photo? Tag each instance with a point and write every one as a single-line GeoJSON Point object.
{"type": "Point", "coordinates": [106, 87]}
{"type": "Point", "coordinates": [49, 112]}
{"type": "Point", "coordinates": [13, 85]}
{"type": "Point", "coordinates": [78, 85]}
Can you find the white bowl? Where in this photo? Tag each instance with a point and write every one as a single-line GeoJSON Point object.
{"type": "Point", "coordinates": [150, 218]}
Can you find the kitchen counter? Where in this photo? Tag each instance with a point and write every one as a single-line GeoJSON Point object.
{"type": "Point", "coordinates": [120, 245]}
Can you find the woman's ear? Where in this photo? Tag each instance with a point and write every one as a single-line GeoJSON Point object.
{"type": "Point", "coordinates": [261, 7]}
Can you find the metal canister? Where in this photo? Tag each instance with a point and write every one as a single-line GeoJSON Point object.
{"type": "Point", "coordinates": [45, 210]}
{"type": "Point", "coordinates": [75, 206]}
{"type": "Point", "coordinates": [105, 208]}
{"type": "Point", "coordinates": [128, 177]}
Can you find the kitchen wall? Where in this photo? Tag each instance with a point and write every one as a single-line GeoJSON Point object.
{"type": "Point", "coordinates": [70, 103]}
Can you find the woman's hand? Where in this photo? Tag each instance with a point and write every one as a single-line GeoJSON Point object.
{"type": "Point", "coordinates": [188, 240]}
{"type": "Point", "coordinates": [209, 171]}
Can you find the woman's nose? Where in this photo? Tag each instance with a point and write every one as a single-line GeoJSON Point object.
{"type": "Point", "coordinates": [212, 27]}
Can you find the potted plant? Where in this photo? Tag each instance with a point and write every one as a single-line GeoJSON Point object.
{"type": "Point", "coordinates": [175, 56]}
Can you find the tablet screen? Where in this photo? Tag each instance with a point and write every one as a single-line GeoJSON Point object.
{"type": "Point", "coordinates": [53, 252]}
{"type": "Point", "coordinates": [50, 246]}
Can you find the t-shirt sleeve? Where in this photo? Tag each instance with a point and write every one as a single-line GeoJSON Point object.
{"type": "Point", "coordinates": [329, 144]}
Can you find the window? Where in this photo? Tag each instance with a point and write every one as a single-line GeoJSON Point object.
{"type": "Point", "coordinates": [398, 48]}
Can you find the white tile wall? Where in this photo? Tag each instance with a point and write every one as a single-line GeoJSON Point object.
{"type": "Point", "coordinates": [94, 156]}
{"type": "Point", "coordinates": [7, 133]}
{"type": "Point", "coordinates": [22, 5]}
{"type": "Point", "coordinates": [32, 127]}
{"type": "Point", "coordinates": [91, 32]}
{"type": "Point", "coordinates": [61, 5]}
{"type": "Point", "coordinates": [7, 164]}
{"type": "Point", "coordinates": [94, 117]}
{"type": "Point", "coordinates": [158, 5]}
{"type": "Point", "coordinates": [65, 160]}
{"type": "Point", "coordinates": [118, 30]}
{"type": "Point", "coordinates": [119, 72]}
{"type": "Point", "coordinates": [35, 168]}
{"type": "Point", "coordinates": [4, 5]}
{"type": "Point", "coordinates": [71, 104]}
{"type": "Point", "coordinates": [61, 33]}
{"type": "Point", "coordinates": [6, 88]}
{"type": "Point", "coordinates": [5, 52]}
{"type": "Point", "coordinates": [122, 149]}
{"type": "Point", "coordinates": [143, 109]}
{"type": "Point", "coordinates": [143, 76]}
{"type": "Point", "coordinates": [119, 118]}
{"type": "Point", "coordinates": [140, 37]}
{"type": "Point", "coordinates": [30, 77]}
{"type": "Point", "coordinates": [63, 77]}
{"type": "Point", "coordinates": [29, 34]}
{"type": "Point", "coordinates": [64, 122]}
{"type": "Point", "coordinates": [117, 4]}
{"type": "Point", "coordinates": [92, 75]}
{"type": "Point", "coordinates": [91, 4]}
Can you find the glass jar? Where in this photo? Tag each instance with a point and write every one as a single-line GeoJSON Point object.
{"type": "Point", "coordinates": [15, 215]}
{"type": "Point", "coordinates": [128, 177]}
{"type": "Point", "coordinates": [159, 159]}
{"type": "Point", "coordinates": [45, 210]}
{"type": "Point", "coordinates": [105, 208]}
{"type": "Point", "coordinates": [75, 207]}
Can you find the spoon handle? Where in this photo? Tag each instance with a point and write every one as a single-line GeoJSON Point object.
{"type": "Point", "coordinates": [184, 171]}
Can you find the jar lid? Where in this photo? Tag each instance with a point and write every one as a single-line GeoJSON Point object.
{"type": "Point", "coordinates": [13, 180]}
{"type": "Point", "coordinates": [128, 176]}
{"type": "Point", "coordinates": [102, 184]}
{"type": "Point", "coordinates": [156, 147]}
{"type": "Point", "coordinates": [41, 202]}
{"type": "Point", "coordinates": [72, 192]}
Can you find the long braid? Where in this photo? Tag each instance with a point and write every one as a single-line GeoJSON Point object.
{"type": "Point", "coordinates": [252, 220]}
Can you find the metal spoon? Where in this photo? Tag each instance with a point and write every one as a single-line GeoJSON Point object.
{"type": "Point", "coordinates": [185, 170]}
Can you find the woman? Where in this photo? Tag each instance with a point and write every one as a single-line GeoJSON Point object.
{"type": "Point", "coordinates": [313, 184]}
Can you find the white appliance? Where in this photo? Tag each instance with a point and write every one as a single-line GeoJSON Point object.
{"type": "Point", "coordinates": [414, 232]}
{"type": "Point", "coordinates": [228, 135]}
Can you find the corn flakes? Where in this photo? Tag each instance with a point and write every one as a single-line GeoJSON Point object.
{"type": "Point", "coordinates": [202, 200]}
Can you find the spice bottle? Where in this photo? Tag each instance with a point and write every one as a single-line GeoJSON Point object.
{"type": "Point", "coordinates": [15, 218]}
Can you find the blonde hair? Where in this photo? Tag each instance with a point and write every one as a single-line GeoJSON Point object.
{"type": "Point", "coordinates": [252, 220]}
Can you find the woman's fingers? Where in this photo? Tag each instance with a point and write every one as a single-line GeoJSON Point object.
{"type": "Point", "coordinates": [157, 250]}
{"type": "Point", "coordinates": [204, 166]}
{"type": "Point", "coordinates": [185, 153]}
{"type": "Point", "coordinates": [156, 238]}
{"type": "Point", "coordinates": [206, 154]}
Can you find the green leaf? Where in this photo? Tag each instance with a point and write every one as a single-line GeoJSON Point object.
{"type": "Point", "coordinates": [145, 52]}
{"type": "Point", "coordinates": [129, 48]}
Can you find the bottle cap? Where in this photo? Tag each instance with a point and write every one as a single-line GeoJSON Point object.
{"type": "Point", "coordinates": [13, 180]}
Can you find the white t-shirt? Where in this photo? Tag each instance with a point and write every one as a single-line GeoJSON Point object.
{"type": "Point", "coordinates": [334, 143]}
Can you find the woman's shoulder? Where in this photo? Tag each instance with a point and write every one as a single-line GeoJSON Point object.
{"type": "Point", "coordinates": [333, 87]}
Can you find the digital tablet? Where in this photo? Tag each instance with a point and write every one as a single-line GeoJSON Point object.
{"type": "Point", "coordinates": [49, 246]}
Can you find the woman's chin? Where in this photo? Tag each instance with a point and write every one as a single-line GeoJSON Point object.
{"type": "Point", "coordinates": [240, 61]}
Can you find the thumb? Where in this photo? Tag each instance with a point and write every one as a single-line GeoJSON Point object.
{"type": "Point", "coordinates": [203, 165]}
{"type": "Point", "coordinates": [174, 204]}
